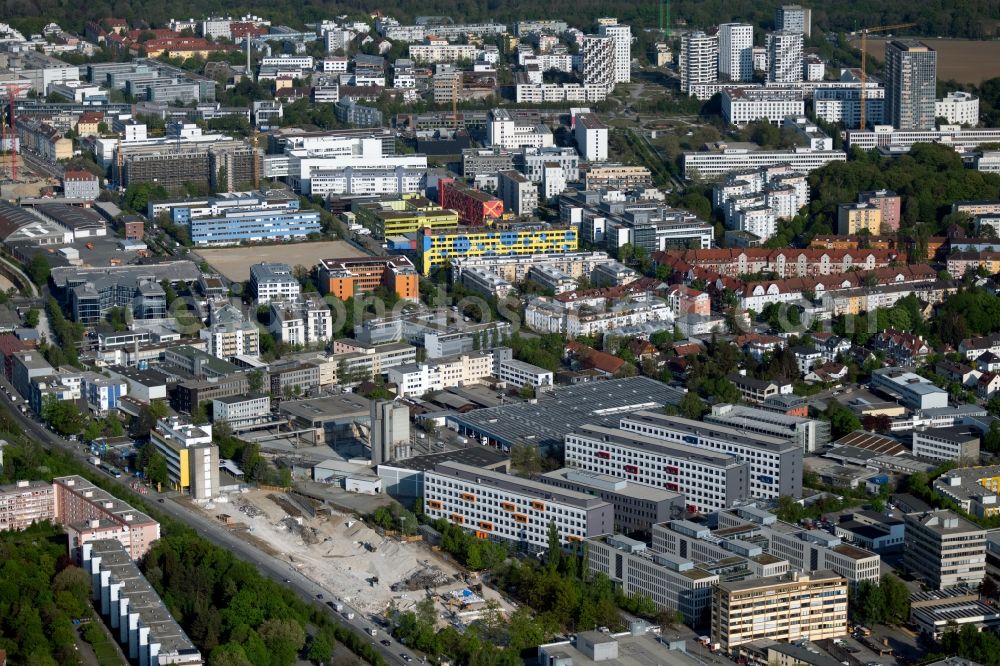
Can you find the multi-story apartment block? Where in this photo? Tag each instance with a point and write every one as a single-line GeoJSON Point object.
{"type": "Point", "coordinates": [958, 108]}
{"type": "Point", "coordinates": [439, 51]}
{"type": "Point", "coordinates": [699, 59]}
{"type": "Point", "coordinates": [25, 503]}
{"type": "Point", "coordinates": [229, 334]}
{"type": "Point", "coordinates": [673, 583]}
{"type": "Point", "coordinates": [436, 248]}
{"type": "Point", "coordinates": [507, 508]}
{"type": "Point", "coordinates": [787, 608]}
{"type": "Point", "coordinates": [598, 62]}
{"type": "Point", "coordinates": [735, 51]}
{"type": "Point", "coordinates": [241, 410]}
{"type": "Point", "coordinates": [888, 202]}
{"type": "Point", "coordinates": [775, 464]}
{"type": "Point", "coordinates": [89, 513]}
{"type": "Point", "coordinates": [637, 507]}
{"type": "Point", "coordinates": [302, 322]}
{"type": "Point", "coordinates": [389, 217]}
{"type": "Point", "coordinates": [944, 550]}
{"type": "Point", "coordinates": [354, 276]}
{"type": "Point", "coordinates": [621, 38]}
{"type": "Point", "coordinates": [519, 195]}
{"type": "Point", "coordinates": [843, 105]}
{"type": "Point", "coordinates": [192, 459]}
{"type": "Point", "coordinates": [270, 281]}
{"type": "Point", "coordinates": [855, 218]}
{"type": "Point", "coordinates": [911, 84]}
{"type": "Point", "coordinates": [784, 56]}
{"type": "Point", "coordinates": [793, 18]}
{"type": "Point", "coordinates": [709, 480]}
{"type": "Point", "coordinates": [486, 161]}
{"type": "Point", "coordinates": [475, 207]}
{"type": "Point", "coordinates": [746, 105]}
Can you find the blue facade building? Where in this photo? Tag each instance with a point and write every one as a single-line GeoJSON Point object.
{"type": "Point", "coordinates": [249, 225]}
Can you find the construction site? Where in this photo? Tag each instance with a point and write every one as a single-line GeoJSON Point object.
{"type": "Point", "coordinates": [351, 562]}
{"type": "Point", "coordinates": [27, 175]}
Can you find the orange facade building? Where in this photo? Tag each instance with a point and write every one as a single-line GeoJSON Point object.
{"type": "Point", "coordinates": [346, 278]}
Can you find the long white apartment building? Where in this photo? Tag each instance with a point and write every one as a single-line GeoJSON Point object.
{"type": "Point", "coordinates": [673, 583]}
{"type": "Point", "coordinates": [440, 51]}
{"type": "Point", "coordinates": [416, 379]}
{"type": "Point", "coordinates": [775, 463]}
{"type": "Point", "coordinates": [726, 158]}
{"type": "Point", "coordinates": [889, 138]}
{"type": "Point", "coordinates": [502, 507]}
{"type": "Point", "coordinates": [699, 59]}
{"type": "Point", "coordinates": [741, 106]}
{"type": "Point", "coordinates": [736, 51]}
{"type": "Point", "coordinates": [552, 315]}
{"type": "Point", "coordinates": [709, 480]}
{"type": "Point", "coordinates": [530, 92]}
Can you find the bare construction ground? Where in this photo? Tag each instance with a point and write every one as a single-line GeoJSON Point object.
{"type": "Point", "coordinates": [963, 60]}
{"type": "Point", "coordinates": [331, 550]}
{"type": "Point", "coordinates": [234, 262]}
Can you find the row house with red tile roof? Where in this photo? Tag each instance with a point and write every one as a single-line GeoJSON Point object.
{"type": "Point", "coordinates": [901, 347]}
{"type": "Point", "coordinates": [785, 263]}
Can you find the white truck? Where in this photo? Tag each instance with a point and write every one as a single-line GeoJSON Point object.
{"type": "Point", "coordinates": [373, 632]}
{"type": "Point", "coordinates": [94, 460]}
{"type": "Point", "coordinates": [350, 615]}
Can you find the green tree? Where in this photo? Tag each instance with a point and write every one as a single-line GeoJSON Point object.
{"type": "Point", "coordinates": [31, 317]}
{"type": "Point", "coordinates": [39, 270]}
{"type": "Point", "coordinates": [284, 639]}
{"type": "Point", "coordinates": [896, 600]}
{"type": "Point", "coordinates": [255, 381]}
{"type": "Point", "coordinates": [691, 406]}
{"type": "Point", "coordinates": [525, 461]}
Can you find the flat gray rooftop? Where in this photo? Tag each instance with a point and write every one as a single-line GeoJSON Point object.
{"type": "Point", "coordinates": [560, 411]}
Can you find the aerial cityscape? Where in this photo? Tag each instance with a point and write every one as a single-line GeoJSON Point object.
{"type": "Point", "coordinates": [489, 335]}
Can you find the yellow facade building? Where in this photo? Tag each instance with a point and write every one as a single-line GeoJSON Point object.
{"type": "Point", "coordinates": [439, 247]}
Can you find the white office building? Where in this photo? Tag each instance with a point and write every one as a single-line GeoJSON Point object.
{"type": "Point", "coordinates": [241, 410]}
{"type": "Point", "coordinates": [504, 131]}
{"type": "Point", "coordinates": [775, 462]}
{"type": "Point", "coordinates": [736, 51]}
{"type": "Point", "coordinates": [843, 105]}
{"type": "Point", "coordinates": [727, 158]}
{"type": "Point", "coordinates": [709, 480]}
{"type": "Point", "coordinates": [518, 373]}
{"type": "Point", "coordinates": [501, 507]}
{"type": "Point", "coordinates": [417, 379]}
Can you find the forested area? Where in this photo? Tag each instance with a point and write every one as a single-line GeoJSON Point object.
{"type": "Point", "coordinates": [41, 591]}
{"type": "Point", "coordinates": [930, 178]}
{"type": "Point", "coordinates": [972, 18]}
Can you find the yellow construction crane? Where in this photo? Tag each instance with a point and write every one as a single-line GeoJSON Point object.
{"type": "Point", "coordinates": [864, 58]}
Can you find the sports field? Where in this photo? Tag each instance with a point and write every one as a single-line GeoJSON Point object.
{"type": "Point", "coordinates": [234, 262]}
{"type": "Point", "coordinates": [963, 60]}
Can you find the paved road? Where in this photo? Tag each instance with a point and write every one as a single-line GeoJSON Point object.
{"type": "Point", "coordinates": [42, 166]}
{"type": "Point", "coordinates": [269, 566]}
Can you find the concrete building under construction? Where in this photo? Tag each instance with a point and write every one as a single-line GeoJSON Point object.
{"type": "Point", "coordinates": [220, 168]}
